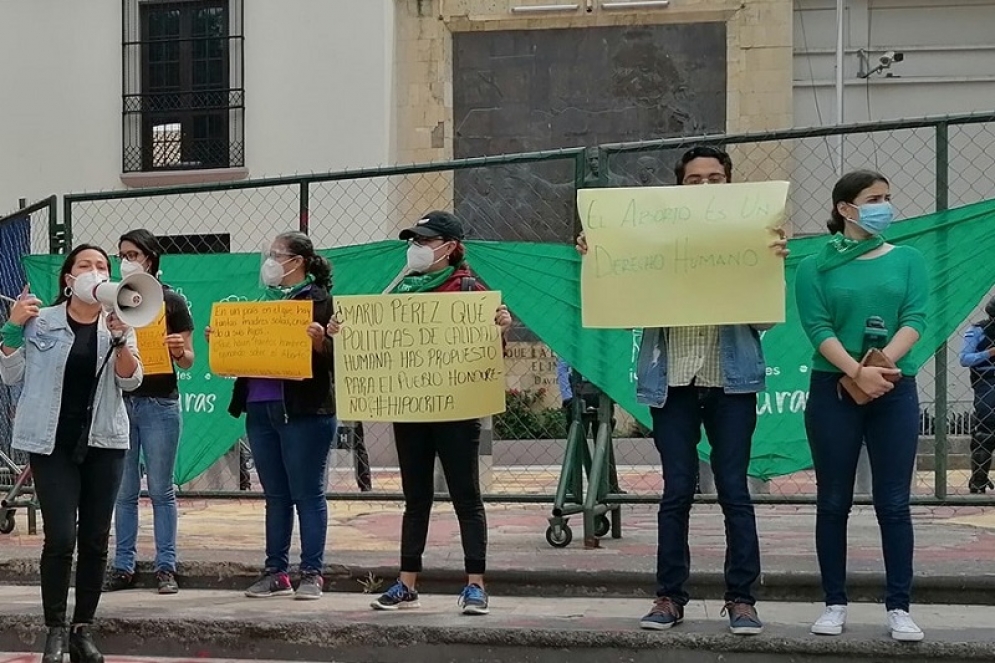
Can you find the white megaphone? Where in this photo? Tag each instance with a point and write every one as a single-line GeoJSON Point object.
{"type": "Point", "coordinates": [137, 299]}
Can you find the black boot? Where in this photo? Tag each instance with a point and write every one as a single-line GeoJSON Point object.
{"type": "Point", "coordinates": [81, 647]}
{"type": "Point", "coordinates": [56, 645]}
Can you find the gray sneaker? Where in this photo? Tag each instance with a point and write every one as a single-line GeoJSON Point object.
{"type": "Point", "coordinates": [311, 586]}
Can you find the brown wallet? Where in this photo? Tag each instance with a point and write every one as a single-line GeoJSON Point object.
{"type": "Point", "coordinates": [875, 358]}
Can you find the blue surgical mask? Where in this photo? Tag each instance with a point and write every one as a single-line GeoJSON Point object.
{"type": "Point", "coordinates": [875, 218]}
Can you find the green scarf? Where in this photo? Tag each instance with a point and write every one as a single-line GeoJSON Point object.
{"type": "Point", "coordinates": [840, 250]}
{"type": "Point", "coordinates": [276, 293]}
{"type": "Point", "coordinates": [424, 282]}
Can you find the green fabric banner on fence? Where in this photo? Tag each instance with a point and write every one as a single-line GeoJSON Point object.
{"type": "Point", "coordinates": [540, 283]}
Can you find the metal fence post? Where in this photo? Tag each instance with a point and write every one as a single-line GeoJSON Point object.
{"type": "Point", "coordinates": [304, 200]}
{"type": "Point", "coordinates": [60, 235]}
{"type": "Point", "coordinates": [941, 419]}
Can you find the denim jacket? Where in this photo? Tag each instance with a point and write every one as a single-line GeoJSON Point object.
{"type": "Point", "coordinates": [743, 367]}
{"type": "Point", "coordinates": [38, 368]}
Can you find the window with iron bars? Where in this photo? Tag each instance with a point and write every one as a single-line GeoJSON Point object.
{"type": "Point", "coordinates": [182, 85]}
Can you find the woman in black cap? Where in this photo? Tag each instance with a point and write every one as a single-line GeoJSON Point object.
{"type": "Point", "coordinates": [436, 263]}
{"type": "Point", "coordinates": [154, 412]}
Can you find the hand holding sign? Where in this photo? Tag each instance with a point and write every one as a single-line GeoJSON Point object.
{"type": "Point", "coordinates": [682, 256]}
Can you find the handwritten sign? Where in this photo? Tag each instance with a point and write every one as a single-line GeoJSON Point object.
{"type": "Point", "coordinates": [683, 255]}
{"type": "Point", "coordinates": [261, 339]}
{"type": "Point", "coordinates": [152, 346]}
{"type": "Point", "coordinates": [422, 357]}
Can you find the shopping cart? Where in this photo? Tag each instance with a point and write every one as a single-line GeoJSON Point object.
{"type": "Point", "coordinates": [19, 495]}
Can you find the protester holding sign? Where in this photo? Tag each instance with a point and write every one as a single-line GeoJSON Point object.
{"type": "Point", "coordinates": [862, 303]}
{"type": "Point", "coordinates": [436, 263]}
{"type": "Point", "coordinates": [154, 412]}
{"type": "Point", "coordinates": [72, 362]}
{"type": "Point", "coordinates": [690, 377]}
{"type": "Point", "coordinates": [290, 425]}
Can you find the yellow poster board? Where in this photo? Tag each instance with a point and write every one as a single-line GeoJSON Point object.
{"type": "Point", "coordinates": [261, 339]}
{"type": "Point", "coordinates": [682, 255]}
{"type": "Point", "coordinates": [152, 346]}
{"type": "Point", "coordinates": [419, 357]}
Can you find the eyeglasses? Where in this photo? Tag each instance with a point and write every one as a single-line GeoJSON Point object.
{"type": "Point", "coordinates": [131, 256]}
{"type": "Point", "coordinates": [711, 179]}
{"type": "Point", "coordinates": [278, 254]}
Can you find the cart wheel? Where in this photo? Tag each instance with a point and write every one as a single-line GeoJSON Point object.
{"type": "Point", "coordinates": [602, 526]}
{"type": "Point", "coordinates": [7, 523]}
{"type": "Point", "coordinates": [559, 541]}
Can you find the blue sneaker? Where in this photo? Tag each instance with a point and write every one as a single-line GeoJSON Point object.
{"type": "Point", "coordinates": [398, 597]}
{"type": "Point", "coordinates": [473, 600]}
{"type": "Point", "coordinates": [665, 614]}
{"type": "Point", "coordinates": [743, 619]}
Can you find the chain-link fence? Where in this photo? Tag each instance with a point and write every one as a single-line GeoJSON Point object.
{"type": "Point", "coordinates": [23, 231]}
{"type": "Point", "coordinates": [531, 197]}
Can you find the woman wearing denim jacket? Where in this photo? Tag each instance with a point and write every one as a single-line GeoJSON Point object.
{"type": "Point", "coordinates": [857, 277]}
{"type": "Point", "coordinates": [290, 425]}
{"type": "Point", "coordinates": [76, 454]}
{"type": "Point", "coordinates": [154, 411]}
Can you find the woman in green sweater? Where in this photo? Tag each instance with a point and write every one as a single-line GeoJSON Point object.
{"type": "Point", "coordinates": [844, 294]}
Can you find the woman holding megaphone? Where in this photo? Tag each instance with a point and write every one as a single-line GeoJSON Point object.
{"type": "Point", "coordinates": [154, 413]}
{"type": "Point", "coordinates": [73, 361]}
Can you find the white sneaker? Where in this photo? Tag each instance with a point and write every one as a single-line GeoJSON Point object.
{"type": "Point", "coordinates": [831, 622]}
{"type": "Point", "coordinates": [903, 628]}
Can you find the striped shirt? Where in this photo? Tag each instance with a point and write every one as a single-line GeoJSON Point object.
{"type": "Point", "coordinates": [693, 356]}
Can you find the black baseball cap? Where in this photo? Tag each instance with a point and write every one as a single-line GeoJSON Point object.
{"type": "Point", "coordinates": [435, 224]}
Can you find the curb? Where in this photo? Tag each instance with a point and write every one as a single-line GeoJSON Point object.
{"type": "Point", "coordinates": [370, 643]}
{"type": "Point", "coordinates": [950, 589]}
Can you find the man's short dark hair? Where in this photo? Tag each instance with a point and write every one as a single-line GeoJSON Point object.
{"type": "Point", "coordinates": [703, 152]}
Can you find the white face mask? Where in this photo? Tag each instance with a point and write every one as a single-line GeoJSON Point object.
{"type": "Point", "coordinates": [421, 258]}
{"type": "Point", "coordinates": [129, 267]}
{"type": "Point", "coordinates": [85, 283]}
{"type": "Point", "coordinates": [272, 272]}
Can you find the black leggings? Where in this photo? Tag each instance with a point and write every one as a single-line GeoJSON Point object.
{"type": "Point", "coordinates": [457, 445]}
{"type": "Point", "coordinates": [69, 493]}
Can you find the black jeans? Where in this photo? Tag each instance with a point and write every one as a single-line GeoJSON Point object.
{"type": "Point", "coordinates": [457, 444]}
{"type": "Point", "coordinates": [837, 428]}
{"type": "Point", "coordinates": [729, 421]}
{"type": "Point", "coordinates": [983, 433]}
{"type": "Point", "coordinates": [71, 493]}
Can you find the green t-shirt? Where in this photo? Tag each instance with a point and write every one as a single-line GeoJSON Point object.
{"type": "Point", "coordinates": [837, 302]}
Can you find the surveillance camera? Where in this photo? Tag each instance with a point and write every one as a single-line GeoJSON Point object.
{"type": "Point", "coordinates": [888, 58]}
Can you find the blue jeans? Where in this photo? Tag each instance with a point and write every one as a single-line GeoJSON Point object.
{"type": "Point", "coordinates": [155, 438]}
{"type": "Point", "coordinates": [729, 421]}
{"type": "Point", "coordinates": [291, 457]}
{"type": "Point", "coordinates": [837, 427]}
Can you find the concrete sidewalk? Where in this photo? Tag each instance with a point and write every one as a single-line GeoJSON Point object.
{"type": "Point", "coordinates": [221, 544]}
{"type": "Point", "coordinates": [341, 627]}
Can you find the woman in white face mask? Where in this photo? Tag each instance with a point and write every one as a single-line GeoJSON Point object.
{"type": "Point", "coordinates": [290, 425]}
{"type": "Point", "coordinates": [72, 362]}
{"type": "Point", "coordinates": [154, 413]}
{"type": "Point", "coordinates": [435, 263]}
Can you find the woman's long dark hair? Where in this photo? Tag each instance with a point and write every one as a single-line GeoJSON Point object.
{"type": "Point", "coordinates": [846, 191]}
{"type": "Point", "coordinates": [69, 263]}
{"type": "Point", "coordinates": [315, 264]}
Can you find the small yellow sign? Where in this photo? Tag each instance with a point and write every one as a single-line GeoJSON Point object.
{"type": "Point", "coordinates": [419, 357]}
{"type": "Point", "coordinates": [261, 339]}
{"type": "Point", "coordinates": [682, 255]}
{"type": "Point", "coordinates": [152, 346]}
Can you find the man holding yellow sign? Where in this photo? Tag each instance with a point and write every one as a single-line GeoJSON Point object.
{"type": "Point", "coordinates": [675, 262]}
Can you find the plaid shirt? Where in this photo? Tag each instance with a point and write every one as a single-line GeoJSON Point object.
{"type": "Point", "coordinates": [693, 356]}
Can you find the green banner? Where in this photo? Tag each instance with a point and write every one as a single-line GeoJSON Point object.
{"type": "Point", "coordinates": [540, 283]}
